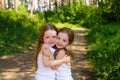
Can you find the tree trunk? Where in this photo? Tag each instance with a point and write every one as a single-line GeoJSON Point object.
{"type": "Point", "coordinates": [78, 2]}
{"type": "Point", "coordinates": [9, 4]}
{"type": "Point", "coordinates": [62, 3]}
{"type": "Point", "coordinates": [56, 4]}
{"type": "Point", "coordinates": [32, 9]}
{"type": "Point", "coordinates": [69, 2]}
{"type": "Point", "coordinates": [39, 5]}
{"type": "Point", "coordinates": [95, 3]}
{"type": "Point", "coordinates": [2, 4]}
{"type": "Point", "coordinates": [5, 4]}
{"type": "Point", "coordinates": [16, 5]}
{"type": "Point", "coordinates": [47, 4]}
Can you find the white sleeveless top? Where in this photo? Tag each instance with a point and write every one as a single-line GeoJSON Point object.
{"type": "Point", "coordinates": [44, 73]}
{"type": "Point", "coordinates": [63, 72]}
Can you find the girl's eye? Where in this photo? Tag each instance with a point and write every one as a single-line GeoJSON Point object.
{"type": "Point", "coordinates": [58, 38]}
{"type": "Point", "coordinates": [47, 37]}
{"type": "Point", "coordinates": [64, 40]}
{"type": "Point", "coordinates": [54, 36]}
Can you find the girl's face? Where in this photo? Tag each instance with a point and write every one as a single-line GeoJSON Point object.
{"type": "Point", "coordinates": [62, 40]}
{"type": "Point", "coordinates": [50, 37]}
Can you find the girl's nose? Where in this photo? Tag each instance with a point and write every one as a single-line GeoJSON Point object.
{"type": "Point", "coordinates": [59, 41]}
{"type": "Point", "coordinates": [51, 39]}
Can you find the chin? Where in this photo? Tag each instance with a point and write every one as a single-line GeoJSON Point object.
{"type": "Point", "coordinates": [51, 45]}
{"type": "Point", "coordinates": [59, 47]}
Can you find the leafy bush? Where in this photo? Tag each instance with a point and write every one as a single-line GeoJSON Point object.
{"type": "Point", "coordinates": [52, 16]}
{"type": "Point", "coordinates": [17, 31]}
{"type": "Point", "coordinates": [110, 11]}
{"type": "Point", "coordinates": [105, 51]}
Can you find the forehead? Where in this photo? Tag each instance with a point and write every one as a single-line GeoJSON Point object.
{"type": "Point", "coordinates": [50, 32]}
{"type": "Point", "coordinates": [63, 35]}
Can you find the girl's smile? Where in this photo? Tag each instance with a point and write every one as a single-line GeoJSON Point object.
{"type": "Point", "coordinates": [62, 40]}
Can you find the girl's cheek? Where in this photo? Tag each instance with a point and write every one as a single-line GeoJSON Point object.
{"type": "Point", "coordinates": [56, 40]}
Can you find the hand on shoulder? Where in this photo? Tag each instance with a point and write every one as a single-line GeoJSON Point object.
{"type": "Point", "coordinates": [45, 46]}
{"type": "Point", "coordinates": [66, 59]}
{"type": "Point", "coordinates": [46, 50]}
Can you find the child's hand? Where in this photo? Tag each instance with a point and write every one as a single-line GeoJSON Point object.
{"type": "Point", "coordinates": [47, 51]}
{"type": "Point", "coordinates": [66, 59]}
{"type": "Point", "coordinates": [54, 67]}
{"type": "Point", "coordinates": [46, 46]}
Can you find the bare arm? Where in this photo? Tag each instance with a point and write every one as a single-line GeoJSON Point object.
{"type": "Point", "coordinates": [49, 53]}
{"type": "Point", "coordinates": [60, 55]}
{"type": "Point", "coordinates": [49, 62]}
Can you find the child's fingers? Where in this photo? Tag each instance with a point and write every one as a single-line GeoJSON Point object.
{"type": "Point", "coordinates": [46, 46]}
{"type": "Point", "coordinates": [67, 58]}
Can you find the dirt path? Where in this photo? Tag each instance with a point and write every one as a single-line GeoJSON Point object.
{"type": "Point", "coordinates": [20, 66]}
{"type": "Point", "coordinates": [80, 68]}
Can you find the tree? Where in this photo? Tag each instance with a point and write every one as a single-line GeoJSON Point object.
{"type": "Point", "coordinates": [16, 5]}
{"type": "Point", "coordinates": [2, 4]}
{"type": "Point", "coordinates": [9, 4]}
{"type": "Point", "coordinates": [32, 9]}
{"type": "Point", "coordinates": [47, 4]}
{"type": "Point", "coordinates": [62, 3]}
{"type": "Point", "coordinates": [39, 4]}
{"type": "Point", "coordinates": [55, 2]}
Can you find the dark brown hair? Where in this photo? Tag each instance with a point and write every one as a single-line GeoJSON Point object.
{"type": "Point", "coordinates": [40, 39]}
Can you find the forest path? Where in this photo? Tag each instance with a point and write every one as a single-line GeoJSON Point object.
{"type": "Point", "coordinates": [21, 66]}
{"type": "Point", "coordinates": [81, 68]}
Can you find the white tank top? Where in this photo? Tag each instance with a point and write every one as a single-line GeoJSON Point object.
{"type": "Point", "coordinates": [44, 73]}
{"type": "Point", "coordinates": [63, 72]}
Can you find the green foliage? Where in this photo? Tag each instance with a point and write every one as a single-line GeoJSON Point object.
{"type": "Point", "coordinates": [17, 31]}
{"type": "Point", "coordinates": [52, 16]}
{"type": "Point", "coordinates": [87, 16]}
{"type": "Point", "coordinates": [116, 9]}
{"type": "Point", "coordinates": [82, 15]}
{"type": "Point", "coordinates": [110, 11]}
{"type": "Point", "coordinates": [105, 51]}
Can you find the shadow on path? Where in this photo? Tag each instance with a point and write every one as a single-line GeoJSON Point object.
{"type": "Point", "coordinates": [20, 66]}
{"type": "Point", "coordinates": [80, 67]}
{"type": "Point", "coordinates": [17, 66]}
